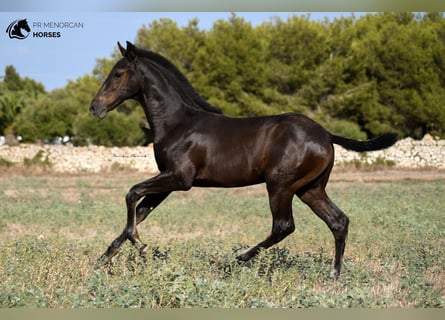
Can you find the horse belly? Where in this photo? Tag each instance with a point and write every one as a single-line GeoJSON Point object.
{"type": "Point", "coordinates": [235, 171]}
{"type": "Point", "coordinates": [233, 153]}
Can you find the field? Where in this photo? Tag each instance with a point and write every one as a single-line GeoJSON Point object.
{"type": "Point", "coordinates": [54, 227]}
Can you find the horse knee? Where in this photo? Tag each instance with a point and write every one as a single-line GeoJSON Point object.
{"type": "Point", "coordinates": [340, 228]}
{"type": "Point", "coordinates": [283, 228]}
{"type": "Point", "coordinates": [131, 196]}
{"type": "Point", "coordinates": [345, 223]}
{"type": "Point", "coordinates": [184, 181]}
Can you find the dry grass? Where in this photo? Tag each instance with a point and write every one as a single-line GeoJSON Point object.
{"type": "Point", "coordinates": [53, 227]}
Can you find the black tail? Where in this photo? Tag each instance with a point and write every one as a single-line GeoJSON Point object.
{"type": "Point", "coordinates": [381, 142]}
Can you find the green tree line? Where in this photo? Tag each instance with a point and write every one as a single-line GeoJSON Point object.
{"type": "Point", "coordinates": [359, 77]}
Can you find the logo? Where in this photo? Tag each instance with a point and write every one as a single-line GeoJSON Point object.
{"type": "Point", "coordinates": [18, 29]}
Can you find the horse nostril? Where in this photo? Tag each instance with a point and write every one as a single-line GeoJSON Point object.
{"type": "Point", "coordinates": [97, 110]}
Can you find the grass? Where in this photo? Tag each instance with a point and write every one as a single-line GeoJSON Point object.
{"type": "Point", "coordinates": [39, 159]}
{"type": "Point", "coordinates": [5, 163]}
{"type": "Point", "coordinates": [53, 228]}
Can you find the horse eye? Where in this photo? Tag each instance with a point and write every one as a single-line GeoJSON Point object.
{"type": "Point", "coordinates": [117, 75]}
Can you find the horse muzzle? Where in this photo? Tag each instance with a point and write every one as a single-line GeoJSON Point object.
{"type": "Point", "coordinates": [98, 110]}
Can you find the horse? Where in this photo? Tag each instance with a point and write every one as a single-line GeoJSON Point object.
{"type": "Point", "coordinates": [196, 145]}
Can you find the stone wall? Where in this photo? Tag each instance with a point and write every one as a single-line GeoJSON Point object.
{"type": "Point", "coordinates": [406, 153]}
{"type": "Point", "coordinates": [83, 159]}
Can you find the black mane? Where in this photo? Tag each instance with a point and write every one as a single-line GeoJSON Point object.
{"type": "Point", "coordinates": [183, 85]}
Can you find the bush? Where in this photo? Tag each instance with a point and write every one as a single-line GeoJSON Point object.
{"type": "Point", "coordinates": [5, 163]}
{"type": "Point", "coordinates": [46, 118]}
{"type": "Point", "coordinates": [117, 129]}
{"type": "Point", "coordinates": [38, 160]}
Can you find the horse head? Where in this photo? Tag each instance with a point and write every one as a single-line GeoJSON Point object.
{"type": "Point", "coordinates": [122, 83]}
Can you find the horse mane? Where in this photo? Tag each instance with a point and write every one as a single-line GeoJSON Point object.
{"type": "Point", "coordinates": [184, 87]}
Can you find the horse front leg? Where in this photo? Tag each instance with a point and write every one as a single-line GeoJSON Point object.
{"type": "Point", "coordinates": [155, 190]}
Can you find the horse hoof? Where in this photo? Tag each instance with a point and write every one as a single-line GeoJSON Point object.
{"type": "Point", "coordinates": [143, 251]}
{"type": "Point", "coordinates": [243, 258]}
{"type": "Point", "coordinates": [104, 260]}
{"type": "Point", "coordinates": [335, 274]}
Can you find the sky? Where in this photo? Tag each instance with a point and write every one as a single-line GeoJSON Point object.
{"type": "Point", "coordinates": [53, 61]}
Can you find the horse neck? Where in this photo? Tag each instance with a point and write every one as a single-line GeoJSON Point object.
{"type": "Point", "coordinates": [163, 107]}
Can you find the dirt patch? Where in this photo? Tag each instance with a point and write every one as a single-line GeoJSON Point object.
{"type": "Point", "coordinates": [11, 193]}
{"type": "Point", "coordinates": [71, 195]}
{"type": "Point", "coordinates": [120, 182]}
{"type": "Point", "coordinates": [18, 230]}
{"type": "Point", "coordinates": [341, 174]}
{"type": "Point", "coordinates": [110, 180]}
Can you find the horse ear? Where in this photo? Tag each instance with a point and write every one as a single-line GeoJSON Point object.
{"type": "Point", "coordinates": [122, 49]}
{"type": "Point", "coordinates": [131, 51]}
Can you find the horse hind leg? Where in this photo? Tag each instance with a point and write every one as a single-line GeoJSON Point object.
{"type": "Point", "coordinates": [144, 208]}
{"type": "Point", "coordinates": [282, 225]}
{"type": "Point", "coordinates": [336, 220]}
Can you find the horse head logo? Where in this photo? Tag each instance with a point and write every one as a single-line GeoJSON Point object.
{"type": "Point", "coordinates": [15, 29]}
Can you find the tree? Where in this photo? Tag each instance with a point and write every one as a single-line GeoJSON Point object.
{"type": "Point", "coordinates": [232, 67]}
{"type": "Point", "coordinates": [11, 80]}
{"type": "Point", "coordinates": [11, 105]}
{"type": "Point", "coordinates": [406, 60]}
{"type": "Point", "coordinates": [296, 47]}
{"type": "Point", "coordinates": [46, 118]}
{"type": "Point", "coordinates": [15, 92]}
{"type": "Point", "coordinates": [14, 83]}
{"type": "Point", "coordinates": [117, 129]}
{"type": "Point", "coordinates": [179, 45]}
{"type": "Point", "coordinates": [382, 72]}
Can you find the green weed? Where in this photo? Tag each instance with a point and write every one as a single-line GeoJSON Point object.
{"type": "Point", "coordinates": [39, 159]}
{"type": "Point", "coordinates": [5, 163]}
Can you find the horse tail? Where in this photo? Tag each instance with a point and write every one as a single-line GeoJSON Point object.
{"type": "Point", "coordinates": [384, 141]}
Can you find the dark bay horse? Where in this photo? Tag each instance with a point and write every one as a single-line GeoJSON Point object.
{"type": "Point", "coordinates": [196, 145]}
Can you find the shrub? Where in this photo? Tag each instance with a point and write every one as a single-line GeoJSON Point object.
{"type": "Point", "coordinates": [38, 160]}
